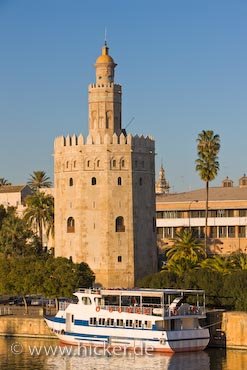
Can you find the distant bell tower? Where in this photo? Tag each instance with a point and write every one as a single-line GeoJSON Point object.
{"type": "Point", "coordinates": [104, 98]}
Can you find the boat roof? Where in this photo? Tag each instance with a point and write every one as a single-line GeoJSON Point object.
{"type": "Point", "coordinates": [140, 292]}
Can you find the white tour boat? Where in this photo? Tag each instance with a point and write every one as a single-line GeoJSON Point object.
{"type": "Point", "coordinates": [165, 320]}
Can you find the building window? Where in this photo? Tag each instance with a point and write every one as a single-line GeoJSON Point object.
{"type": "Point", "coordinates": [242, 212]}
{"type": "Point", "coordinates": [70, 225]}
{"type": "Point", "coordinates": [74, 164]}
{"type": "Point", "coordinates": [88, 163]}
{"type": "Point", "coordinates": [136, 164]}
{"type": "Point", "coordinates": [213, 232]}
{"type": "Point", "coordinates": [241, 231]}
{"type": "Point", "coordinates": [114, 163]}
{"type": "Point", "coordinates": [160, 232]}
{"type": "Point", "coordinates": [67, 164]}
{"type": "Point", "coordinates": [119, 227]}
{"type": "Point", "coordinates": [122, 163]}
{"type": "Point", "coordinates": [195, 232]}
{"type": "Point", "coordinates": [140, 181]}
{"type": "Point", "coordinates": [98, 163]}
{"type": "Point", "coordinates": [222, 231]}
{"type": "Point", "coordinates": [71, 182]}
{"type": "Point", "coordinates": [231, 231]}
{"type": "Point", "coordinates": [94, 181]}
{"type": "Point", "coordinates": [119, 259]}
{"type": "Point", "coordinates": [167, 232]}
{"type": "Point", "coordinates": [119, 181]}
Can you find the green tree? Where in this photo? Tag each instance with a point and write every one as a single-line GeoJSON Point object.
{"type": "Point", "coordinates": [40, 213]}
{"type": "Point", "coordinates": [239, 260]}
{"type": "Point", "coordinates": [218, 263]}
{"type": "Point", "coordinates": [16, 238]}
{"type": "Point", "coordinates": [185, 247]}
{"type": "Point", "coordinates": [39, 179]}
{"type": "Point", "coordinates": [4, 182]}
{"type": "Point", "coordinates": [207, 165]}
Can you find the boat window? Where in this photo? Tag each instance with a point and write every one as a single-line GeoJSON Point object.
{"type": "Point", "coordinates": [147, 325]}
{"type": "Point", "coordinates": [92, 321]}
{"type": "Point", "coordinates": [129, 323]}
{"type": "Point", "coordinates": [110, 322]}
{"type": "Point", "coordinates": [119, 322]}
{"type": "Point", "coordinates": [138, 323]}
{"type": "Point", "coordinates": [86, 301]}
{"type": "Point", "coordinates": [102, 321]}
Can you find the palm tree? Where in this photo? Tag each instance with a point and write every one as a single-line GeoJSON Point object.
{"type": "Point", "coordinates": [40, 213]}
{"type": "Point", "coordinates": [218, 263]}
{"type": "Point", "coordinates": [38, 180]}
{"type": "Point", "coordinates": [185, 247]}
{"type": "Point", "coordinates": [4, 182]}
{"type": "Point", "coordinates": [207, 165]}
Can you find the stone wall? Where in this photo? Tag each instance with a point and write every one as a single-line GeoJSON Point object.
{"type": "Point", "coordinates": [24, 327]}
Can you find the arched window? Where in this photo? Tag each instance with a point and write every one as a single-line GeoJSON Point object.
{"type": "Point", "coordinates": [140, 181]}
{"type": "Point", "coordinates": [98, 163]}
{"type": "Point", "coordinates": [67, 164]}
{"type": "Point", "coordinates": [88, 163]}
{"type": "Point", "coordinates": [120, 224]}
{"type": "Point", "coordinates": [70, 225]}
{"type": "Point", "coordinates": [122, 163]}
{"type": "Point", "coordinates": [114, 163]}
{"type": "Point", "coordinates": [94, 181]}
{"type": "Point", "coordinates": [119, 181]}
{"type": "Point", "coordinates": [74, 164]}
{"type": "Point", "coordinates": [71, 183]}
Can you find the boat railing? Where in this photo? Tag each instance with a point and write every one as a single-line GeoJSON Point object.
{"type": "Point", "coordinates": [185, 310]}
{"type": "Point", "coordinates": [157, 310]}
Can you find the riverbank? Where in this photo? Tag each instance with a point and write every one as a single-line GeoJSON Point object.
{"type": "Point", "coordinates": [227, 329]}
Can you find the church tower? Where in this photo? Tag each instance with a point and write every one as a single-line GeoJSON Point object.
{"type": "Point", "coordinates": [162, 185]}
{"type": "Point", "coordinates": [105, 190]}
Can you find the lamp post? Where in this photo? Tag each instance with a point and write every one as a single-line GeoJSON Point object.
{"type": "Point", "coordinates": [192, 201]}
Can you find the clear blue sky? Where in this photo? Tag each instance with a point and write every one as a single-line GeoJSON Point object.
{"type": "Point", "coordinates": [182, 64]}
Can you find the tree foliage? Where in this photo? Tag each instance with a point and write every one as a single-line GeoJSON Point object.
{"type": "Point", "coordinates": [38, 180]}
{"type": "Point", "coordinates": [207, 165]}
{"type": "Point", "coordinates": [39, 213]}
{"type": "Point", "coordinates": [47, 276]}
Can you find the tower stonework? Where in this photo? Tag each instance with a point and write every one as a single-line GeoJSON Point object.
{"type": "Point", "coordinates": [105, 191]}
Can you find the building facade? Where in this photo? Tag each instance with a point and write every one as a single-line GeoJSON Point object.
{"type": "Point", "coordinates": [104, 187]}
{"type": "Point", "coordinates": [227, 216]}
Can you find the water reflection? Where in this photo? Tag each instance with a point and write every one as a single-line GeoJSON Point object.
{"type": "Point", "coordinates": [11, 359]}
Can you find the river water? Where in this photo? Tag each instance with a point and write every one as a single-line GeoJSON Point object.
{"type": "Point", "coordinates": [39, 354]}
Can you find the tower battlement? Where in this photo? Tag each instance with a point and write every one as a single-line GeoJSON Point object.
{"type": "Point", "coordinates": [138, 142]}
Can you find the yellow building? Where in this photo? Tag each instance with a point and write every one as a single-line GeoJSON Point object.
{"type": "Point", "coordinates": [104, 188]}
{"type": "Point", "coordinates": [227, 216]}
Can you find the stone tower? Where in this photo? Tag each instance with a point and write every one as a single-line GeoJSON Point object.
{"type": "Point", "coordinates": [105, 190]}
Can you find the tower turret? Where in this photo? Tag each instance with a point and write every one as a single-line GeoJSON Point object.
{"type": "Point", "coordinates": [104, 98]}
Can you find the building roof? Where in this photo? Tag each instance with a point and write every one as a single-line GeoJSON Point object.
{"type": "Point", "coordinates": [12, 188]}
{"type": "Point", "coordinates": [215, 194]}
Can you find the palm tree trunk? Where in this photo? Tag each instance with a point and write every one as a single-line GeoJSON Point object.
{"type": "Point", "coordinates": [206, 218]}
{"type": "Point", "coordinates": [41, 233]}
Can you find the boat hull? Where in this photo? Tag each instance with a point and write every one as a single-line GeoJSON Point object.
{"type": "Point", "coordinates": [155, 341]}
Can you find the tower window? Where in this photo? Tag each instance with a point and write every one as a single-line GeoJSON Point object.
{"type": "Point", "coordinates": [94, 181]}
{"type": "Point", "coordinates": [140, 181]}
{"type": "Point", "coordinates": [119, 258]}
{"type": "Point", "coordinates": [74, 164]}
{"type": "Point", "coordinates": [122, 163]}
{"type": "Point", "coordinates": [67, 164]}
{"type": "Point", "coordinates": [114, 163]}
{"type": "Point", "coordinates": [70, 225]}
{"type": "Point", "coordinates": [88, 163]}
{"type": "Point", "coordinates": [119, 227]}
{"type": "Point", "coordinates": [98, 163]}
{"type": "Point", "coordinates": [119, 181]}
{"type": "Point", "coordinates": [71, 183]}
